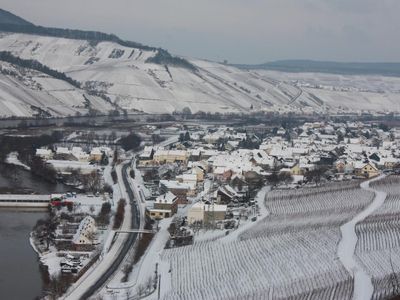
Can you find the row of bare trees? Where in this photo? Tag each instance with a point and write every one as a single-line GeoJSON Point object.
{"type": "Point", "coordinates": [119, 214]}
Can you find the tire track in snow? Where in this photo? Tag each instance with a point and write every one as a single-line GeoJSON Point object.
{"type": "Point", "coordinates": [363, 288]}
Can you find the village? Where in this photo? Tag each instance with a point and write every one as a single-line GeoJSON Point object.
{"type": "Point", "coordinates": [205, 180]}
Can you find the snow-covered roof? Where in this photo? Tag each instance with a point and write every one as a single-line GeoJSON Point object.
{"type": "Point", "coordinates": [43, 152]}
{"type": "Point", "coordinates": [187, 177]}
{"type": "Point", "coordinates": [174, 184]}
{"type": "Point", "coordinates": [168, 197]}
{"type": "Point", "coordinates": [82, 234]}
{"type": "Point", "coordinates": [63, 150]}
{"type": "Point", "coordinates": [209, 207]}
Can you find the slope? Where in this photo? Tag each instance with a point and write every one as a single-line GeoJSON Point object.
{"type": "Point", "coordinates": [25, 92]}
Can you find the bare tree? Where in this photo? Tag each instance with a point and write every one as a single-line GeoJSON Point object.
{"type": "Point", "coordinates": [315, 175]}
{"type": "Point", "coordinates": [149, 284]}
{"type": "Point", "coordinates": [140, 289]}
{"type": "Point", "coordinates": [92, 182]}
{"type": "Point", "coordinates": [128, 293]}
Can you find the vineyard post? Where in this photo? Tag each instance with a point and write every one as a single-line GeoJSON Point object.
{"type": "Point", "coordinates": [159, 286]}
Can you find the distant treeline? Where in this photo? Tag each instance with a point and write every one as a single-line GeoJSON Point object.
{"type": "Point", "coordinates": [162, 56]}
{"type": "Point", "coordinates": [72, 34]}
{"type": "Point", "coordinates": [35, 65]}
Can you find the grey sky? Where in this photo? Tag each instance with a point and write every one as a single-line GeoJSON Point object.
{"type": "Point", "coordinates": [242, 31]}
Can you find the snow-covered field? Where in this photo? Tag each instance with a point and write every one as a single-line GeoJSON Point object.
{"type": "Point", "coordinates": [289, 253]}
{"type": "Point", "coordinates": [122, 74]}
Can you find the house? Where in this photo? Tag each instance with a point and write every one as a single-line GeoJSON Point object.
{"type": "Point", "coordinates": [195, 155]}
{"type": "Point", "coordinates": [226, 194]}
{"type": "Point", "coordinates": [190, 179]}
{"type": "Point", "coordinates": [367, 169]}
{"type": "Point", "coordinates": [147, 155]}
{"type": "Point", "coordinates": [199, 172]}
{"type": "Point", "coordinates": [79, 154]}
{"type": "Point", "coordinates": [84, 236]}
{"type": "Point", "coordinates": [181, 190]}
{"type": "Point", "coordinates": [340, 166]}
{"type": "Point", "coordinates": [390, 163]}
{"type": "Point", "coordinates": [296, 170]}
{"type": "Point", "coordinates": [63, 151]}
{"type": "Point", "coordinates": [165, 206]}
{"type": "Point", "coordinates": [239, 184]}
{"type": "Point", "coordinates": [96, 154]}
{"type": "Point", "coordinates": [206, 213]}
{"type": "Point", "coordinates": [214, 213]}
{"type": "Point", "coordinates": [261, 158]}
{"type": "Point", "coordinates": [223, 173]}
{"type": "Point", "coordinates": [44, 153]}
{"type": "Point", "coordinates": [196, 213]}
{"type": "Point", "coordinates": [170, 156]}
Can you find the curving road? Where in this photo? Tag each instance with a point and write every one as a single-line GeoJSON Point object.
{"type": "Point", "coordinates": [363, 287]}
{"type": "Point", "coordinates": [135, 214]}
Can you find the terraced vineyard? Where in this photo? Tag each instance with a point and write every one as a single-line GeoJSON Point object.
{"type": "Point", "coordinates": [378, 246]}
{"type": "Point", "coordinates": [289, 254]}
{"type": "Point", "coordinates": [305, 209]}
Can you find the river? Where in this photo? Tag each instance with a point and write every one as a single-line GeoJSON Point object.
{"type": "Point", "coordinates": [19, 268]}
{"type": "Point", "coordinates": [20, 278]}
{"type": "Point", "coordinates": [16, 180]}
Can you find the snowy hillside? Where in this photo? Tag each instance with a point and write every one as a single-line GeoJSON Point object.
{"type": "Point", "coordinates": [123, 75]}
{"type": "Point", "coordinates": [24, 92]}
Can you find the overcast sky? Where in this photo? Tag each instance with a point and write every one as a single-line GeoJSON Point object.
{"type": "Point", "coordinates": [241, 31]}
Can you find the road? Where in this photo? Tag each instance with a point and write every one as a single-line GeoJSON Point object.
{"type": "Point", "coordinates": [363, 287]}
{"type": "Point", "coordinates": [112, 261]}
{"type": "Point", "coordinates": [107, 267]}
{"type": "Point", "coordinates": [297, 96]}
{"type": "Point", "coordinates": [136, 186]}
{"type": "Point", "coordinates": [135, 215]}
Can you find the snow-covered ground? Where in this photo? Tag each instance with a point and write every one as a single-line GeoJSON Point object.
{"type": "Point", "coordinates": [12, 159]}
{"type": "Point", "coordinates": [88, 203]}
